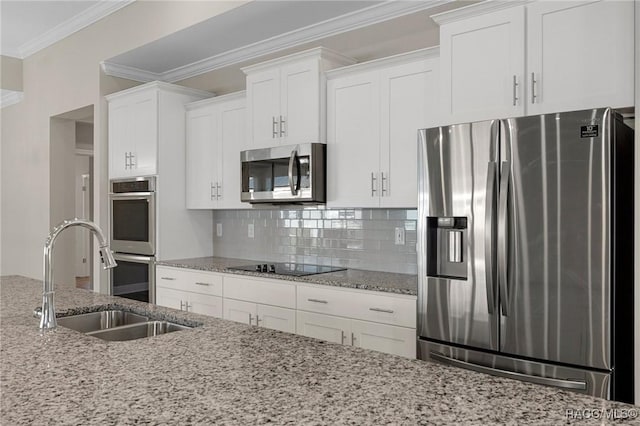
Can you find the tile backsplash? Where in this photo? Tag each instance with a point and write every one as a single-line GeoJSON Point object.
{"type": "Point", "coordinates": [352, 238]}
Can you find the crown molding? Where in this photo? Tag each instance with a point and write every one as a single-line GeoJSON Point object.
{"type": "Point", "coordinates": [316, 52]}
{"type": "Point", "coordinates": [476, 10]}
{"type": "Point", "coordinates": [235, 96]}
{"type": "Point", "coordinates": [130, 73]}
{"type": "Point", "coordinates": [70, 26]}
{"type": "Point", "coordinates": [350, 21]}
{"type": "Point", "coordinates": [10, 97]}
{"type": "Point", "coordinates": [399, 59]}
{"type": "Point", "coordinates": [160, 85]}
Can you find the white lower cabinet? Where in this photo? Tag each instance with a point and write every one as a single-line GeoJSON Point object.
{"type": "Point", "coordinates": [366, 319]}
{"type": "Point", "coordinates": [266, 316]}
{"type": "Point", "coordinates": [324, 327]}
{"type": "Point", "coordinates": [384, 338]}
{"type": "Point", "coordinates": [188, 290]}
{"type": "Point", "coordinates": [363, 334]}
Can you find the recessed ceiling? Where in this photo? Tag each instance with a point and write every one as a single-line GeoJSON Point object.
{"type": "Point", "coordinates": [254, 29]}
{"type": "Point", "coordinates": [28, 26]}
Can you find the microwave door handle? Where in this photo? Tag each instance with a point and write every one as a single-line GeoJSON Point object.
{"type": "Point", "coordinates": [292, 160]}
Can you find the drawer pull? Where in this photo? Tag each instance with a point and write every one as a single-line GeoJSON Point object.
{"type": "Point", "coordinates": [199, 283]}
{"type": "Point", "coordinates": [167, 278]}
{"type": "Point", "coordinates": [387, 311]}
{"type": "Point", "coordinates": [318, 301]}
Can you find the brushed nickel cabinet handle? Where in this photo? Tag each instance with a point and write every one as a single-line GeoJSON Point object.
{"type": "Point", "coordinates": [200, 283]}
{"type": "Point", "coordinates": [386, 311]}
{"type": "Point", "coordinates": [274, 130]}
{"type": "Point", "coordinates": [533, 88]}
{"type": "Point", "coordinates": [373, 186]}
{"type": "Point", "coordinates": [383, 180]}
{"type": "Point", "coordinates": [167, 278]}
{"type": "Point", "coordinates": [515, 91]}
{"type": "Point", "coordinates": [283, 122]}
{"type": "Point", "coordinates": [218, 192]}
{"type": "Point", "coordinates": [318, 301]}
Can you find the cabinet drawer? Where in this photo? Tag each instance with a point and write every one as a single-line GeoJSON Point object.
{"type": "Point", "coordinates": [267, 292]}
{"type": "Point", "coordinates": [359, 305]}
{"type": "Point", "coordinates": [189, 280]}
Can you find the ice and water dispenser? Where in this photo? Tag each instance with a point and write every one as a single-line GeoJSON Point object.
{"type": "Point", "coordinates": [446, 244]}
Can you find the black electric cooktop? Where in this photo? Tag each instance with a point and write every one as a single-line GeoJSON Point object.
{"type": "Point", "coordinates": [297, 269]}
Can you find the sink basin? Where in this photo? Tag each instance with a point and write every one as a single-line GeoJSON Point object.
{"type": "Point", "coordinates": [138, 331]}
{"type": "Point", "coordinates": [95, 321]}
{"type": "Point", "coordinates": [117, 325]}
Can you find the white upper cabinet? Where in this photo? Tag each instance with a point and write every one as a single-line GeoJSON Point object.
{"type": "Point", "coordinates": [215, 137]}
{"type": "Point", "coordinates": [374, 111]}
{"type": "Point", "coordinates": [141, 120]}
{"type": "Point", "coordinates": [285, 98]}
{"type": "Point", "coordinates": [482, 67]}
{"type": "Point", "coordinates": [133, 135]}
{"type": "Point", "coordinates": [580, 55]}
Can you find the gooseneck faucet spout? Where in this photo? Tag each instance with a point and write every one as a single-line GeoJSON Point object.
{"type": "Point", "coordinates": [48, 318]}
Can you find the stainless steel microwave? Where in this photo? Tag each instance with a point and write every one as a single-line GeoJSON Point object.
{"type": "Point", "coordinates": [285, 174]}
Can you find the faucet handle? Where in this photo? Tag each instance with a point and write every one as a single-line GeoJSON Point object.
{"type": "Point", "coordinates": [37, 312]}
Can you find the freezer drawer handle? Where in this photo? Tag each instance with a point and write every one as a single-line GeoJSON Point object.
{"type": "Point", "coordinates": [318, 301]}
{"type": "Point", "coordinates": [559, 383]}
{"type": "Point", "coordinates": [387, 311]}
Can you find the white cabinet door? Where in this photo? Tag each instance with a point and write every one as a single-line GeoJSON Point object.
{"type": "Point", "coordinates": [580, 55]}
{"type": "Point", "coordinates": [300, 102]}
{"type": "Point", "coordinates": [480, 58]}
{"type": "Point", "coordinates": [276, 318]}
{"type": "Point", "coordinates": [170, 298]}
{"type": "Point", "coordinates": [231, 133]}
{"type": "Point", "coordinates": [239, 311]}
{"type": "Point", "coordinates": [133, 135]}
{"type": "Point", "coordinates": [408, 102]}
{"type": "Point", "coordinates": [202, 155]}
{"type": "Point", "coordinates": [205, 304]}
{"type": "Point", "coordinates": [353, 141]}
{"type": "Point", "coordinates": [324, 327]}
{"type": "Point", "coordinates": [263, 108]}
{"type": "Point", "coordinates": [384, 338]}
{"type": "Point", "coordinates": [144, 134]}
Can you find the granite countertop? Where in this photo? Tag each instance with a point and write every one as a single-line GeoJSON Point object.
{"type": "Point", "coordinates": [229, 373]}
{"type": "Point", "coordinates": [350, 278]}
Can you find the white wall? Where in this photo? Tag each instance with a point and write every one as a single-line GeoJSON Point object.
{"type": "Point", "coordinates": [62, 196]}
{"type": "Point", "coordinates": [60, 78]}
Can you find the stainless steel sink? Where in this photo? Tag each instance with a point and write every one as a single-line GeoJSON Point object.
{"type": "Point", "coordinates": [117, 325]}
{"type": "Point", "coordinates": [94, 321]}
{"type": "Point", "coordinates": [138, 331]}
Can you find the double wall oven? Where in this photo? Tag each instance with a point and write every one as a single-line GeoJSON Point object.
{"type": "Point", "coordinates": [132, 206]}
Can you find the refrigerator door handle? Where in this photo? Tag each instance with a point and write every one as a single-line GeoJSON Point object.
{"type": "Point", "coordinates": [503, 237]}
{"type": "Point", "coordinates": [488, 235]}
{"type": "Point", "coordinates": [549, 381]}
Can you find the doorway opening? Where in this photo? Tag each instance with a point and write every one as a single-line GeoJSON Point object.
{"type": "Point", "coordinates": [71, 194]}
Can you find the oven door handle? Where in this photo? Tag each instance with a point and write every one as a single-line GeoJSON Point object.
{"type": "Point", "coordinates": [130, 195]}
{"type": "Point", "coordinates": [134, 258]}
{"type": "Point", "coordinates": [294, 184]}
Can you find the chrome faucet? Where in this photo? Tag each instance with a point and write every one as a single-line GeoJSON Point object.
{"type": "Point", "coordinates": [48, 315]}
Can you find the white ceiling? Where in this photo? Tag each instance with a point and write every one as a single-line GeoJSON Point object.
{"type": "Point", "coordinates": [255, 29]}
{"type": "Point", "coordinates": [27, 26]}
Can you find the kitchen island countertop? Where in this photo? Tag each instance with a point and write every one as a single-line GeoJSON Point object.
{"type": "Point", "coordinates": [229, 373]}
{"type": "Point", "coordinates": [387, 282]}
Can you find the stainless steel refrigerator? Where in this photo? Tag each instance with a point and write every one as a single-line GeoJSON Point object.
{"type": "Point", "coordinates": [525, 249]}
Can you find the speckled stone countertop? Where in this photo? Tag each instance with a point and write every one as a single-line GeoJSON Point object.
{"type": "Point", "coordinates": [350, 278]}
{"type": "Point", "coordinates": [229, 373]}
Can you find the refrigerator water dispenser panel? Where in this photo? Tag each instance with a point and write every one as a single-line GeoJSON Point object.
{"type": "Point", "coordinates": [446, 244]}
